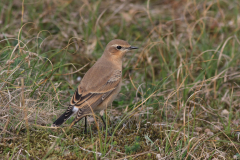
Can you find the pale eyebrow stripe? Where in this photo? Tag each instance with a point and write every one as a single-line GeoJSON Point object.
{"type": "Point", "coordinates": [115, 45]}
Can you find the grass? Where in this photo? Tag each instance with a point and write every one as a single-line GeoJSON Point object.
{"type": "Point", "coordinates": [180, 93]}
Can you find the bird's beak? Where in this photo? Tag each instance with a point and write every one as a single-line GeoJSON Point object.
{"type": "Point", "coordinates": [132, 47]}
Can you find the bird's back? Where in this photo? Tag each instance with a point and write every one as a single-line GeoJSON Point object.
{"type": "Point", "coordinates": [98, 75]}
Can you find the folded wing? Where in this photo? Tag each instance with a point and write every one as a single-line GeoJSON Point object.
{"type": "Point", "coordinates": [86, 97]}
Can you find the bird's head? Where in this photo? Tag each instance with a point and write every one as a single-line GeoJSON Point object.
{"type": "Point", "coordinates": [117, 48]}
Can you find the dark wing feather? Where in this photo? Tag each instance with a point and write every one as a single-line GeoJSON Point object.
{"type": "Point", "coordinates": [64, 116]}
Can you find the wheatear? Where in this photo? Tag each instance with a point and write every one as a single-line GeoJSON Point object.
{"type": "Point", "coordinates": [100, 85]}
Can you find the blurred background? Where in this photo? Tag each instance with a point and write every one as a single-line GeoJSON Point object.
{"type": "Point", "coordinates": [180, 88]}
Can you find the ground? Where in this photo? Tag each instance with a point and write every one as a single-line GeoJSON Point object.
{"type": "Point", "coordinates": [180, 91]}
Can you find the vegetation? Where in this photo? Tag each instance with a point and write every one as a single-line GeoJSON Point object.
{"type": "Point", "coordinates": [181, 88]}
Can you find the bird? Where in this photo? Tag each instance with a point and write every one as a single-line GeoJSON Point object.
{"type": "Point", "coordinates": [99, 86]}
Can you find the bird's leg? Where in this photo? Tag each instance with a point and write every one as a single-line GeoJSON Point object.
{"type": "Point", "coordinates": [101, 115]}
{"type": "Point", "coordinates": [105, 122]}
{"type": "Point", "coordinates": [109, 118]}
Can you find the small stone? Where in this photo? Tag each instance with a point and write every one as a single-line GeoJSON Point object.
{"type": "Point", "coordinates": [217, 128]}
{"type": "Point", "coordinates": [57, 149]}
{"type": "Point", "coordinates": [79, 78]}
{"type": "Point", "coordinates": [66, 153]}
{"type": "Point", "coordinates": [207, 130]}
{"type": "Point", "coordinates": [235, 157]}
{"type": "Point", "coordinates": [210, 133]}
{"type": "Point", "coordinates": [236, 122]}
{"type": "Point", "coordinates": [90, 119]}
{"type": "Point", "coordinates": [217, 138]}
{"type": "Point", "coordinates": [223, 154]}
{"type": "Point", "coordinates": [158, 156]}
{"type": "Point", "coordinates": [198, 129]}
{"type": "Point", "coordinates": [225, 112]}
{"type": "Point", "coordinates": [196, 133]}
{"type": "Point", "coordinates": [101, 112]}
{"type": "Point", "coordinates": [238, 135]}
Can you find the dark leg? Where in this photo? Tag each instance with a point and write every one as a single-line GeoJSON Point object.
{"type": "Point", "coordinates": [105, 125]}
{"type": "Point", "coordinates": [103, 122]}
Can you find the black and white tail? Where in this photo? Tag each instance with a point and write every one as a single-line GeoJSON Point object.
{"type": "Point", "coordinates": [64, 116]}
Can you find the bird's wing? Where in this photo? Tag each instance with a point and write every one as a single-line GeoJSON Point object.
{"type": "Point", "coordinates": [90, 94]}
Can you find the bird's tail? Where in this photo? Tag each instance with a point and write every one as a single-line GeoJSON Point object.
{"type": "Point", "coordinates": [64, 117]}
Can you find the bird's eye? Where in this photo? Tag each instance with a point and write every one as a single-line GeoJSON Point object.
{"type": "Point", "coordinates": [119, 47]}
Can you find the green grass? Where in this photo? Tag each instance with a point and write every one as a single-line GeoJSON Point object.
{"type": "Point", "coordinates": [180, 93]}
